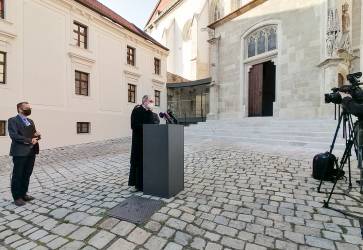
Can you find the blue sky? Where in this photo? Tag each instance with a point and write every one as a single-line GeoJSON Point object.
{"type": "Point", "coordinates": [135, 11]}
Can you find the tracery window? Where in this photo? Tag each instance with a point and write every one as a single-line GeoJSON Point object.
{"type": "Point", "coordinates": [261, 40]}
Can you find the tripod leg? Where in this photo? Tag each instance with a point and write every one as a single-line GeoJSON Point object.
{"type": "Point", "coordinates": [350, 174]}
{"type": "Point", "coordinates": [332, 147]}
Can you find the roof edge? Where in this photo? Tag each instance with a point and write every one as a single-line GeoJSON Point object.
{"type": "Point", "coordinates": [245, 8]}
{"type": "Point", "coordinates": [142, 35]}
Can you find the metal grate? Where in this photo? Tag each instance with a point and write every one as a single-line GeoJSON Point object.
{"type": "Point", "coordinates": [135, 209]}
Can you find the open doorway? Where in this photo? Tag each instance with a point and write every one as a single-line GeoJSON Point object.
{"type": "Point", "coordinates": [262, 89]}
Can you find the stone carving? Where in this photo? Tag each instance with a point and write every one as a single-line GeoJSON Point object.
{"type": "Point", "coordinates": [332, 31]}
{"type": "Point", "coordinates": [344, 44]}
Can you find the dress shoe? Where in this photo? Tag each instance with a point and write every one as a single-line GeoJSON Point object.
{"type": "Point", "coordinates": [19, 202]}
{"type": "Point", "coordinates": [28, 198]}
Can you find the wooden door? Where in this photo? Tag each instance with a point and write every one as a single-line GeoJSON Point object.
{"type": "Point", "coordinates": [255, 90]}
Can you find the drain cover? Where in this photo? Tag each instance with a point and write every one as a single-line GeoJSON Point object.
{"type": "Point", "coordinates": [136, 210]}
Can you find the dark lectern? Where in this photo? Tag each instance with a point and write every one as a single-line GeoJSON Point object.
{"type": "Point", "coordinates": [163, 159]}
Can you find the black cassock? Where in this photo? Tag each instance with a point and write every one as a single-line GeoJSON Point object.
{"type": "Point", "coordinates": [139, 116]}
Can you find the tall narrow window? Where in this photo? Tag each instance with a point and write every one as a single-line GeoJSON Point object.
{"type": "Point", "coordinates": [2, 128]}
{"type": "Point", "coordinates": [157, 98]}
{"type": "Point", "coordinates": [132, 93]}
{"type": "Point", "coordinates": [2, 67]}
{"type": "Point", "coordinates": [83, 127]}
{"type": "Point", "coordinates": [157, 66]}
{"type": "Point", "coordinates": [82, 83]}
{"type": "Point", "coordinates": [2, 9]}
{"type": "Point", "coordinates": [80, 35]}
{"type": "Point", "coordinates": [131, 53]}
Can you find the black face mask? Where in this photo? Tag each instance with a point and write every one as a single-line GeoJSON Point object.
{"type": "Point", "coordinates": [27, 112]}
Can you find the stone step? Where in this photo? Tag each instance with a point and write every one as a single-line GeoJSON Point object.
{"type": "Point", "coordinates": [320, 146]}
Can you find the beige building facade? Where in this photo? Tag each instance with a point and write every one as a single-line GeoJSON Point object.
{"type": "Point", "coordinates": [81, 66]}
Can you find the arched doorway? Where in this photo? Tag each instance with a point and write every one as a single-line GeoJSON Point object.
{"type": "Point", "coordinates": [260, 54]}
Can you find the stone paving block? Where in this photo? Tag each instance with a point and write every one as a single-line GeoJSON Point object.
{"type": "Point", "coordinates": [64, 229]}
{"type": "Point", "coordinates": [123, 228]}
{"type": "Point", "coordinates": [138, 236]}
{"type": "Point", "coordinates": [82, 233]}
{"type": "Point", "coordinates": [122, 244]}
{"type": "Point", "coordinates": [74, 245]}
{"type": "Point", "coordinates": [101, 239]}
{"type": "Point", "coordinates": [319, 242]}
{"type": "Point", "coordinates": [213, 246]}
{"type": "Point", "coordinates": [155, 243]}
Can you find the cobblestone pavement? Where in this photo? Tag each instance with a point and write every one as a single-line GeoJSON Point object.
{"type": "Point", "coordinates": [234, 198]}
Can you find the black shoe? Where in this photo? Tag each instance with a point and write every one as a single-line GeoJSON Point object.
{"type": "Point", "coordinates": [28, 198]}
{"type": "Point", "coordinates": [19, 202]}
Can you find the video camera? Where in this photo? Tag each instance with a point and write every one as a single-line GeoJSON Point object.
{"type": "Point", "coordinates": [353, 89]}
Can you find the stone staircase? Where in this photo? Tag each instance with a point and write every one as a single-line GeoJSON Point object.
{"type": "Point", "coordinates": [306, 134]}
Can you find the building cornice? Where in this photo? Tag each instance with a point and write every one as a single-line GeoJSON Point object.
{"type": "Point", "coordinates": [245, 8]}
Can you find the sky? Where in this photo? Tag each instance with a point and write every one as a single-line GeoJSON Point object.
{"type": "Point", "coordinates": [135, 11]}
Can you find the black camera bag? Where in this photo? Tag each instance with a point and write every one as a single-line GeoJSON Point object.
{"type": "Point", "coordinates": [323, 167]}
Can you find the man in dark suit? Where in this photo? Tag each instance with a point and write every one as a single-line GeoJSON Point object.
{"type": "Point", "coordinates": [141, 114]}
{"type": "Point", "coordinates": [24, 147]}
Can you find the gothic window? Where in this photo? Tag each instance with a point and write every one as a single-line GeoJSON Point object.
{"type": "Point", "coordinates": [251, 46]}
{"type": "Point", "coordinates": [261, 41]}
{"type": "Point", "coordinates": [261, 44]}
{"type": "Point", "coordinates": [272, 39]}
{"type": "Point", "coordinates": [216, 11]}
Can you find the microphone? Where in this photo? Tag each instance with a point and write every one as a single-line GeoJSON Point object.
{"type": "Point", "coordinates": [175, 121]}
{"type": "Point", "coordinates": [166, 117]}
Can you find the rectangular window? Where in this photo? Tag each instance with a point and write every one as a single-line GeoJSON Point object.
{"type": "Point", "coordinates": [2, 128]}
{"type": "Point", "coordinates": [2, 67]}
{"type": "Point", "coordinates": [80, 35]}
{"type": "Point", "coordinates": [131, 53]}
{"type": "Point", "coordinates": [83, 127]}
{"type": "Point", "coordinates": [2, 9]}
{"type": "Point", "coordinates": [132, 93]}
{"type": "Point", "coordinates": [157, 66]}
{"type": "Point", "coordinates": [157, 98]}
{"type": "Point", "coordinates": [82, 83]}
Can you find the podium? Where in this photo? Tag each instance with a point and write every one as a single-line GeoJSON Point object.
{"type": "Point", "coordinates": [163, 159]}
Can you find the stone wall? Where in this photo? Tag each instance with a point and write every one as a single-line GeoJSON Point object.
{"type": "Point", "coordinates": [298, 77]}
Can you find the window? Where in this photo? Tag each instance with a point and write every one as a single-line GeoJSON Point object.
{"type": "Point", "coordinates": [80, 35]}
{"type": "Point", "coordinates": [83, 127]}
{"type": "Point", "coordinates": [82, 83]}
{"type": "Point", "coordinates": [132, 93]}
{"type": "Point", "coordinates": [2, 67]}
{"type": "Point", "coordinates": [262, 41]}
{"type": "Point", "coordinates": [131, 55]}
{"type": "Point", "coordinates": [2, 128]}
{"type": "Point", "coordinates": [157, 98]}
{"type": "Point", "coordinates": [157, 66]}
{"type": "Point", "coordinates": [2, 9]}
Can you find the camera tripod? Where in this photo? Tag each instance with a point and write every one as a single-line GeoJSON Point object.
{"type": "Point", "coordinates": [352, 133]}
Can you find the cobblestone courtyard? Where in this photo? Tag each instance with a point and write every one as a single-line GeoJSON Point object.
{"type": "Point", "coordinates": [234, 198]}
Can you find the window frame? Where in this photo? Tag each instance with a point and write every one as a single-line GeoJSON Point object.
{"type": "Point", "coordinates": [79, 34]}
{"type": "Point", "coordinates": [4, 64]}
{"type": "Point", "coordinates": [3, 131]}
{"type": "Point", "coordinates": [79, 89]}
{"type": "Point", "coordinates": [80, 128]}
{"type": "Point", "coordinates": [157, 66]}
{"type": "Point", "coordinates": [2, 9]}
{"type": "Point", "coordinates": [131, 57]}
{"type": "Point", "coordinates": [130, 91]}
{"type": "Point", "coordinates": [157, 97]}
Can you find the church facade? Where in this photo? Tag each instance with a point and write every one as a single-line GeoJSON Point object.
{"type": "Point", "coordinates": [278, 57]}
{"type": "Point", "coordinates": [265, 57]}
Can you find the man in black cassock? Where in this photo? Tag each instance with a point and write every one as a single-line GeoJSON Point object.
{"type": "Point", "coordinates": [142, 114]}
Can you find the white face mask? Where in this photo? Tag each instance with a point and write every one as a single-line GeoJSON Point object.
{"type": "Point", "coordinates": [150, 105]}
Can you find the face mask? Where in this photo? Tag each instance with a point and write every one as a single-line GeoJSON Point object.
{"type": "Point", "coordinates": [27, 112]}
{"type": "Point", "coordinates": [150, 106]}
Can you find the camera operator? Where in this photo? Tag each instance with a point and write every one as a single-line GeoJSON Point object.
{"type": "Point", "coordinates": [351, 106]}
